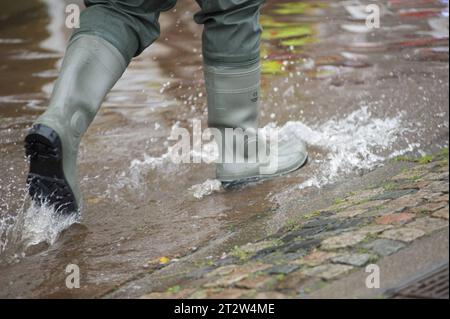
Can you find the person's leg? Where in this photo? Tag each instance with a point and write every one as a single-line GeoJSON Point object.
{"type": "Point", "coordinates": [231, 50]}
{"type": "Point", "coordinates": [111, 34]}
{"type": "Point", "coordinates": [232, 32]}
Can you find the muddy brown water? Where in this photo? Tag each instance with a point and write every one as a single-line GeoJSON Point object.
{"type": "Point", "coordinates": [357, 97]}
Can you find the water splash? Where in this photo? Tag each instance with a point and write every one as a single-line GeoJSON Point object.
{"type": "Point", "coordinates": [135, 176]}
{"type": "Point", "coordinates": [358, 141]}
{"type": "Point", "coordinates": [57, 40]}
{"type": "Point", "coordinates": [33, 225]}
{"type": "Point", "coordinates": [206, 188]}
{"type": "Point", "coordinates": [44, 224]}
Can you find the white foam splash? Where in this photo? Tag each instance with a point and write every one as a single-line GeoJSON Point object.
{"type": "Point", "coordinates": [57, 40]}
{"type": "Point", "coordinates": [206, 188]}
{"type": "Point", "coordinates": [149, 162]}
{"type": "Point", "coordinates": [357, 141]}
{"type": "Point", "coordinates": [6, 224]}
{"type": "Point", "coordinates": [139, 168]}
{"type": "Point", "coordinates": [44, 224]}
{"type": "Point", "coordinates": [33, 225]}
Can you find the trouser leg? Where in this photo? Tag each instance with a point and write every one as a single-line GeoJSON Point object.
{"type": "Point", "coordinates": [129, 25]}
{"type": "Point", "coordinates": [232, 31]}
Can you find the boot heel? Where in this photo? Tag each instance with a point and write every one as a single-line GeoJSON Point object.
{"type": "Point", "coordinates": [46, 180]}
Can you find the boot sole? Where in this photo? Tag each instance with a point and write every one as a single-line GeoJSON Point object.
{"type": "Point", "coordinates": [261, 178]}
{"type": "Point", "coordinates": [46, 180]}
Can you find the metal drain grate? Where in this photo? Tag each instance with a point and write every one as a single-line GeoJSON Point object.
{"type": "Point", "coordinates": [431, 286]}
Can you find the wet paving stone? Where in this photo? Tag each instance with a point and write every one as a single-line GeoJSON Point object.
{"type": "Point", "coordinates": [222, 271]}
{"type": "Point", "coordinates": [345, 224]}
{"type": "Point", "coordinates": [306, 232]}
{"type": "Point", "coordinates": [200, 272]}
{"type": "Point", "coordinates": [302, 245]}
{"type": "Point", "coordinates": [438, 186]}
{"type": "Point", "coordinates": [408, 175]}
{"type": "Point", "coordinates": [352, 222]}
{"type": "Point", "coordinates": [267, 251]}
{"type": "Point", "coordinates": [428, 207]}
{"type": "Point", "coordinates": [365, 195]}
{"type": "Point", "coordinates": [203, 293]}
{"type": "Point", "coordinates": [256, 283]}
{"type": "Point", "coordinates": [437, 176]}
{"type": "Point", "coordinates": [351, 213]}
{"type": "Point", "coordinates": [326, 213]}
{"type": "Point", "coordinates": [370, 205]}
{"type": "Point", "coordinates": [373, 229]}
{"type": "Point", "coordinates": [438, 197]}
{"type": "Point", "coordinates": [403, 234]}
{"type": "Point", "coordinates": [395, 219]}
{"type": "Point", "coordinates": [327, 271]}
{"type": "Point", "coordinates": [274, 258]}
{"type": "Point", "coordinates": [253, 248]}
{"type": "Point", "coordinates": [229, 260]}
{"type": "Point", "coordinates": [384, 247]}
{"type": "Point", "coordinates": [295, 256]}
{"type": "Point", "coordinates": [225, 281]}
{"type": "Point", "coordinates": [282, 269]}
{"type": "Point", "coordinates": [394, 194]}
{"type": "Point", "coordinates": [316, 258]}
{"type": "Point", "coordinates": [342, 241]}
{"type": "Point", "coordinates": [404, 202]}
{"type": "Point", "coordinates": [428, 224]}
{"type": "Point", "coordinates": [442, 213]}
{"type": "Point", "coordinates": [412, 185]}
{"type": "Point", "coordinates": [317, 229]}
{"type": "Point", "coordinates": [293, 281]}
{"type": "Point", "coordinates": [357, 260]}
{"type": "Point", "coordinates": [231, 293]}
{"type": "Point", "coordinates": [271, 295]}
{"type": "Point", "coordinates": [352, 238]}
{"type": "Point", "coordinates": [184, 293]}
{"type": "Point", "coordinates": [318, 223]}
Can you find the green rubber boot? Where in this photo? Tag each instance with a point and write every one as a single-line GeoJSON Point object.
{"type": "Point", "coordinates": [90, 68]}
{"type": "Point", "coordinates": [233, 105]}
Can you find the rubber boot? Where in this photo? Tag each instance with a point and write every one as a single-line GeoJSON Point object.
{"type": "Point", "coordinates": [233, 105]}
{"type": "Point", "coordinates": [90, 68]}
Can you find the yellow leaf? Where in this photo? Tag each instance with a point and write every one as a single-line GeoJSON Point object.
{"type": "Point", "coordinates": [297, 41]}
{"type": "Point", "coordinates": [272, 67]}
{"type": "Point", "coordinates": [286, 32]}
{"type": "Point", "coordinates": [94, 200]}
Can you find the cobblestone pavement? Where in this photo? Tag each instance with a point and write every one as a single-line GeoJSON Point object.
{"type": "Point", "coordinates": [329, 244]}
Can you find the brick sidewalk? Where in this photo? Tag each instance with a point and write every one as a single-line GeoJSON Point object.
{"type": "Point", "coordinates": [329, 244]}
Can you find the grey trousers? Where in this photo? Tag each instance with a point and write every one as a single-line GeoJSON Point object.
{"type": "Point", "coordinates": [231, 34]}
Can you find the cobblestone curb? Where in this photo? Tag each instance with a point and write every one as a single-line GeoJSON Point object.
{"type": "Point", "coordinates": [329, 244]}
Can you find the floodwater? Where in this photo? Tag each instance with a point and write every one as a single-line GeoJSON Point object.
{"type": "Point", "coordinates": [358, 97]}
